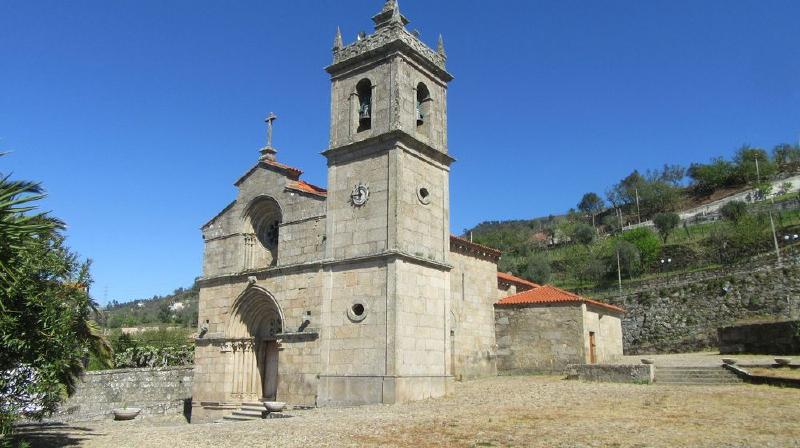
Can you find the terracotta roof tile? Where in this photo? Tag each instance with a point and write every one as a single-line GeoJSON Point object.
{"type": "Point", "coordinates": [305, 187]}
{"type": "Point", "coordinates": [516, 280]}
{"type": "Point", "coordinates": [551, 294]}
{"type": "Point", "coordinates": [474, 246]}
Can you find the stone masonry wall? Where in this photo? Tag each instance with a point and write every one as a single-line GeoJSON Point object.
{"type": "Point", "coordinates": [473, 291]}
{"type": "Point", "coordinates": [160, 391]}
{"type": "Point", "coordinates": [636, 373]}
{"type": "Point", "coordinates": [684, 315]}
{"type": "Point", "coordinates": [776, 338]}
{"type": "Point", "coordinates": [539, 339]}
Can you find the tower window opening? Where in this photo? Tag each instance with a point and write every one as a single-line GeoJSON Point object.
{"type": "Point", "coordinates": [423, 104]}
{"type": "Point", "coordinates": [364, 92]}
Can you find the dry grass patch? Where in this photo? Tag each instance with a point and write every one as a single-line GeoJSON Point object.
{"type": "Point", "coordinates": [508, 411]}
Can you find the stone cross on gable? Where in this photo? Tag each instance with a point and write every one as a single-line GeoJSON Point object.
{"type": "Point", "coordinates": [272, 117]}
{"type": "Point", "coordinates": [268, 152]}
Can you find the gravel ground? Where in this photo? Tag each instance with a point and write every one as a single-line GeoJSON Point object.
{"type": "Point", "coordinates": [504, 411]}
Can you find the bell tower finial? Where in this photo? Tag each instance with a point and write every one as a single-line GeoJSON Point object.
{"type": "Point", "coordinates": [390, 15]}
{"type": "Point", "coordinates": [389, 5]}
{"type": "Point", "coordinates": [337, 41]}
{"type": "Point", "coordinates": [268, 152]}
{"type": "Point", "coordinates": [440, 47]}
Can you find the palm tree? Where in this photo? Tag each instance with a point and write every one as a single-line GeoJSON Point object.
{"type": "Point", "coordinates": [44, 300]}
{"type": "Point", "coordinates": [16, 224]}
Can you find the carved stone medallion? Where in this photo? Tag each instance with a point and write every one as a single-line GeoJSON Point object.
{"type": "Point", "coordinates": [360, 195]}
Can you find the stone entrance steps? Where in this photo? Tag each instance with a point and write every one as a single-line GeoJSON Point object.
{"type": "Point", "coordinates": [247, 412]}
{"type": "Point", "coordinates": [701, 376]}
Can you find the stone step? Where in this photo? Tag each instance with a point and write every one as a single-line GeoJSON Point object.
{"type": "Point", "coordinates": [239, 418]}
{"type": "Point", "coordinates": [692, 369]}
{"type": "Point", "coordinates": [253, 403]}
{"type": "Point", "coordinates": [251, 414]}
{"type": "Point", "coordinates": [253, 408]}
{"type": "Point", "coordinates": [695, 376]}
{"type": "Point", "coordinates": [698, 379]}
{"type": "Point", "coordinates": [692, 374]}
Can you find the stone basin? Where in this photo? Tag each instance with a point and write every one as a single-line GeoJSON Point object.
{"type": "Point", "coordinates": [126, 413]}
{"type": "Point", "coordinates": [274, 406]}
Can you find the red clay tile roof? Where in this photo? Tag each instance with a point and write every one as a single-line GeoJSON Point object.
{"type": "Point", "coordinates": [516, 280]}
{"type": "Point", "coordinates": [305, 187]}
{"type": "Point", "coordinates": [469, 243]}
{"type": "Point", "coordinates": [290, 172]}
{"type": "Point", "coordinates": [551, 294]}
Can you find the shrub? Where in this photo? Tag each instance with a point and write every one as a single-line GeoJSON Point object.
{"type": "Point", "coordinates": [149, 356]}
{"type": "Point", "coordinates": [646, 241]}
{"type": "Point", "coordinates": [538, 269]}
{"type": "Point", "coordinates": [584, 234]}
{"type": "Point", "coordinates": [733, 211]}
{"type": "Point", "coordinates": [666, 223]}
{"type": "Point", "coordinates": [630, 260]}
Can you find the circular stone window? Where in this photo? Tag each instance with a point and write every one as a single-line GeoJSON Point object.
{"type": "Point", "coordinates": [424, 195]}
{"type": "Point", "coordinates": [357, 311]}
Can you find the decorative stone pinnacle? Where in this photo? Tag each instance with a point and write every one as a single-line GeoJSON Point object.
{"type": "Point", "coordinates": [390, 15]}
{"type": "Point", "coordinates": [396, 18]}
{"type": "Point", "coordinates": [440, 47]}
{"type": "Point", "coordinates": [337, 42]}
{"type": "Point", "coordinates": [389, 5]}
{"type": "Point", "coordinates": [268, 152]}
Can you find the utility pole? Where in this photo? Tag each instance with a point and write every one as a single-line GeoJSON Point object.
{"type": "Point", "coordinates": [619, 274]}
{"type": "Point", "coordinates": [774, 234]}
{"type": "Point", "coordinates": [638, 211]}
{"type": "Point", "coordinates": [758, 173]}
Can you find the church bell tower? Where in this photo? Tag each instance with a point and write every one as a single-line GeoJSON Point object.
{"type": "Point", "coordinates": [387, 305]}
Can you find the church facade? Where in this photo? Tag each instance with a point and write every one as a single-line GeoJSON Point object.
{"type": "Point", "coordinates": [356, 293]}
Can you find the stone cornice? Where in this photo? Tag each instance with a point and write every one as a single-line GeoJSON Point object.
{"type": "Point", "coordinates": [383, 41]}
{"type": "Point", "coordinates": [410, 143]}
{"type": "Point", "coordinates": [275, 271]}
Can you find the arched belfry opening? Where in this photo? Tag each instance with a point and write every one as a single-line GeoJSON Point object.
{"type": "Point", "coordinates": [256, 320]}
{"type": "Point", "coordinates": [423, 109]}
{"type": "Point", "coordinates": [262, 220]}
{"type": "Point", "coordinates": [364, 95]}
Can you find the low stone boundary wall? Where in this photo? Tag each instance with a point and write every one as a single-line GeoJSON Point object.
{"type": "Point", "coordinates": [760, 379]}
{"type": "Point", "coordinates": [774, 338]}
{"type": "Point", "coordinates": [157, 391]}
{"type": "Point", "coordinates": [612, 373]}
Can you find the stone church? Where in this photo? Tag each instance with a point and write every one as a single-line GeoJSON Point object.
{"type": "Point", "coordinates": [358, 293]}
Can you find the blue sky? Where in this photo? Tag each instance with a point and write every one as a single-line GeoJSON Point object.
{"type": "Point", "coordinates": [139, 115]}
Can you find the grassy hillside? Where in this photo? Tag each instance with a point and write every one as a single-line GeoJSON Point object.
{"type": "Point", "coordinates": [178, 308]}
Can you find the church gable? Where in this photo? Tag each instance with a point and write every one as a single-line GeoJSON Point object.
{"type": "Point", "coordinates": [276, 220]}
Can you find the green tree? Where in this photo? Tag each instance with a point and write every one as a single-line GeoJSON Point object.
{"type": "Point", "coordinates": [630, 260]}
{"type": "Point", "coordinates": [611, 223]}
{"type": "Point", "coordinates": [538, 269]}
{"type": "Point", "coordinates": [733, 211]}
{"type": "Point", "coordinates": [753, 165]}
{"type": "Point", "coordinates": [591, 204]}
{"type": "Point", "coordinates": [584, 234]}
{"type": "Point", "coordinates": [786, 157]}
{"type": "Point", "coordinates": [665, 223]}
{"type": "Point", "coordinates": [646, 241]}
{"type": "Point", "coordinates": [707, 178]}
{"type": "Point", "coordinates": [45, 309]}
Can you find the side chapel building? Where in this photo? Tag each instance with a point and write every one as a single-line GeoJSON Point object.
{"type": "Point", "coordinates": [359, 294]}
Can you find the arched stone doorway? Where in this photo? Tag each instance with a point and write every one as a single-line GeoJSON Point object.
{"type": "Point", "coordinates": [256, 320]}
